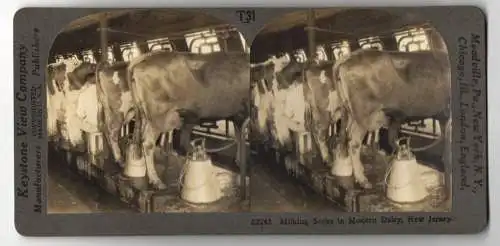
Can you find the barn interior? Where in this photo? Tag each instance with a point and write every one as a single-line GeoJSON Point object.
{"type": "Point", "coordinates": [329, 32]}
{"type": "Point", "coordinates": [126, 34]}
{"type": "Point", "coordinates": [327, 35]}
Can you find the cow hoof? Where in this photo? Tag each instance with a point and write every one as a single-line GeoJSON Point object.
{"type": "Point", "coordinates": [158, 185]}
{"type": "Point", "coordinates": [366, 185]}
{"type": "Point", "coordinates": [121, 163]}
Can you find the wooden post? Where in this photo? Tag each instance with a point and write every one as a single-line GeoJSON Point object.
{"type": "Point", "coordinates": [104, 38]}
{"type": "Point", "coordinates": [354, 44]}
{"type": "Point", "coordinates": [311, 38]}
{"type": "Point", "coordinates": [143, 46]}
{"type": "Point", "coordinates": [180, 44]}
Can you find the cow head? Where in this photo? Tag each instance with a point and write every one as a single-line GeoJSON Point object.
{"type": "Point", "coordinates": [290, 74]}
{"type": "Point", "coordinates": [56, 74]}
{"type": "Point", "coordinates": [83, 73]}
{"type": "Point", "coordinates": [262, 73]}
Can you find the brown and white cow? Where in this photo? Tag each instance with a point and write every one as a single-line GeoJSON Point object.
{"type": "Point", "coordinates": [173, 90]}
{"type": "Point", "coordinates": [117, 105]}
{"type": "Point", "coordinates": [387, 88]}
{"type": "Point", "coordinates": [316, 97]}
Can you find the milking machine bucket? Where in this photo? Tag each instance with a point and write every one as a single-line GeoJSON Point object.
{"type": "Point", "coordinates": [135, 166]}
{"type": "Point", "coordinates": [403, 150]}
{"type": "Point", "coordinates": [404, 184]}
{"type": "Point", "coordinates": [199, 183]}
{"type": "Point", "coordinates": [198, 150]}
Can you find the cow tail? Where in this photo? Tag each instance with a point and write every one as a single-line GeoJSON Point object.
{"type": "Point", "coordinates": [137, 135]}
{"type": "Point", "coordinates": [345, 108]}
{"type": "Point", "coordinates": [100, 99]}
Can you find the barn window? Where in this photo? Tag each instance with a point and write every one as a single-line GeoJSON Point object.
{"type": "Point", "coordinates": [129, 51]}
{"type": "Point", "coordinates": [67, 57]}
{"type": "Point", "coordinates": [203, 42]}
{"type": "Point", "coordinates": [412, 40]}
{"type": "Point", "coordinates": [341, 49]}
{"type": "Point", "coordinates": [160, 44]}
{"type": "Point", "coordinates": [321, 53]}
{"type": "Point", "coordinates": [371, 43]}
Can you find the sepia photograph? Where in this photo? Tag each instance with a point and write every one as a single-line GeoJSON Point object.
{"type": "Point", "coordinates": [350, 112]}
{"type": "Point", "coordinates": [328, 110]}
{"type": "Point", "coordinates": [147, 112]}
{"type": "Point", "coordinates": [250, 120]}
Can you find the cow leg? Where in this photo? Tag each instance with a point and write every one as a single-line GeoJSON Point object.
{"type": "Point", "coordinates": [114, 136]}
{"type": "Point", "coordinates": [320, 134]}
{"type": "Point", "coordinates": [357, 134]}
{"type": "Point", "coordinates": [170, 139]}
{"type": "Point", "coordinates": [376, 139]}
{"type": "Point", "coordinates": [393, 133]}
{"type": "Point", "coordinates": [240, 140]}
{"type": "Point", "coordinates": [149, 144]}
{"type": "Point", "coordinates": [342, 165]}
{"type": "Point", "coordinates": [368, 138]}
{"type": "Point", "coordinates": [185, 138]}
{"type": "Point", "coordinates": [445, 126]}
{"type": "Point", "coordinates": [237, 133]}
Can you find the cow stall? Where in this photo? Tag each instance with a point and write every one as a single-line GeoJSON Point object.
{"type": "Point", "coordinates": [117, 38]}
{"type": "Point", "coordinates": [283, 135]}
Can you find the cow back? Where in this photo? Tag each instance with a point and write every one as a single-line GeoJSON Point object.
{"type": "Point", "coordinates": [399, 83]}
{"type": "Point", "coordinates": [214, 85]}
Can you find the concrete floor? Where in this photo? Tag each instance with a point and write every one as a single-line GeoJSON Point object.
{"type": "Point", "coordinates": [277, 193]}
{"type": "Point", "coordinates": [270, 190]}
{"type": "Point", "coordinates": [71, 193]}
{"type": "Point", "coordinates": [68, 192]}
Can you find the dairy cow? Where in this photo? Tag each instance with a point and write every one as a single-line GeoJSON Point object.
{"type": "Point", "coordinates": [269, 102]}
{"type": "Point", "coordinates": [261, 76]}
{"type": "Point", "coordinates": [171, 90]}
{"type": "Point", "coordinates": [388, 88]}
{"type": "Point", "coordinates": [55, 77]}
{"type": "Point", "coordinates": [312, 101]}
{"type": "Point", "coordinates": [65, 80]}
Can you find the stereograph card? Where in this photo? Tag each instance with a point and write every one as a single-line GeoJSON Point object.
{"type": "Point", "coordinates": [321, 120]}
